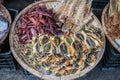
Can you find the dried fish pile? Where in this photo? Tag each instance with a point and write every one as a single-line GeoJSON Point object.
{"type": "Point", "coordinates": [113, 20]}
{"type": "Point", "coordinates": [70, 52]}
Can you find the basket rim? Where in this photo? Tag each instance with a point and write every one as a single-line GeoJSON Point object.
{"type": "Point", "coordinates": [9, 20]}
{"type": "Point", "coordinates": [33, 71]}
{"type": "Point", "coordinates": [104, 28]}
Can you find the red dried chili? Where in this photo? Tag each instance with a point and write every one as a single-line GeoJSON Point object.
{"type": "Point", "coordinates": [35, 21]}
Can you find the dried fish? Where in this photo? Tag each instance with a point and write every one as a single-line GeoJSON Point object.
{"type": "Point", "coordinates": [79, 12]}
{"type": "Point", "coordinates": [64, 9]}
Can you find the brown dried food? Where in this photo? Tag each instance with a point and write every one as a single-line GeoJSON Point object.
{"type": "Point", "coordinates": [113, 20]}
{"type": "Point", "coordinates": [116, 19]}
{"type": "Point", "coordinates": [113, 26]}
{"type": "Point", "coordinates": [37, 20]}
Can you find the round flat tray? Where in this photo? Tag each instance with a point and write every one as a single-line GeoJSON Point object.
{"type": "Point", "coordinates": [104, 15]}
{"type": "Point", "coordinates": [21, 61]}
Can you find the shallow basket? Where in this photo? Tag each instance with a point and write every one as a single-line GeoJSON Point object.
{"type": "Point", "coordinates": [17, 49]}
{"type": "Point", "coordinates": [104, 15]}
{"type": "Point", "coordinates": [6, 14]}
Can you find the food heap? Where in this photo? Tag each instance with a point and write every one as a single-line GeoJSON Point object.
{"type": "Point", "coordinates": [4, 24]}
{"type": "Point", "coordinates": [61, 40]}
{"type": "Point", "coordinates": [113, 21]}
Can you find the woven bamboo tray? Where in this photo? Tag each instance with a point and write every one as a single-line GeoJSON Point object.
{"type": "Point", "coordinates": [18, 49]}
{"type": "Point", "coordinates": [104, 15]}
{"type": "Point", "coordinates": [6, 14]}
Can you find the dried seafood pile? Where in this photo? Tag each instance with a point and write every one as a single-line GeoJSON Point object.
{"type": "Point", "coordinates": [113, 20]}
{"type": "Point", "coordinates": [60, 41]}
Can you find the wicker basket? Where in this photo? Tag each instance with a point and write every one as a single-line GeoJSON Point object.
{"type": "Point", "coordinates": [6, 14]}
{"type": "Point", "coordinates": [17, 49]}
{"type": "Point", "coordinates": [104, 15]}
